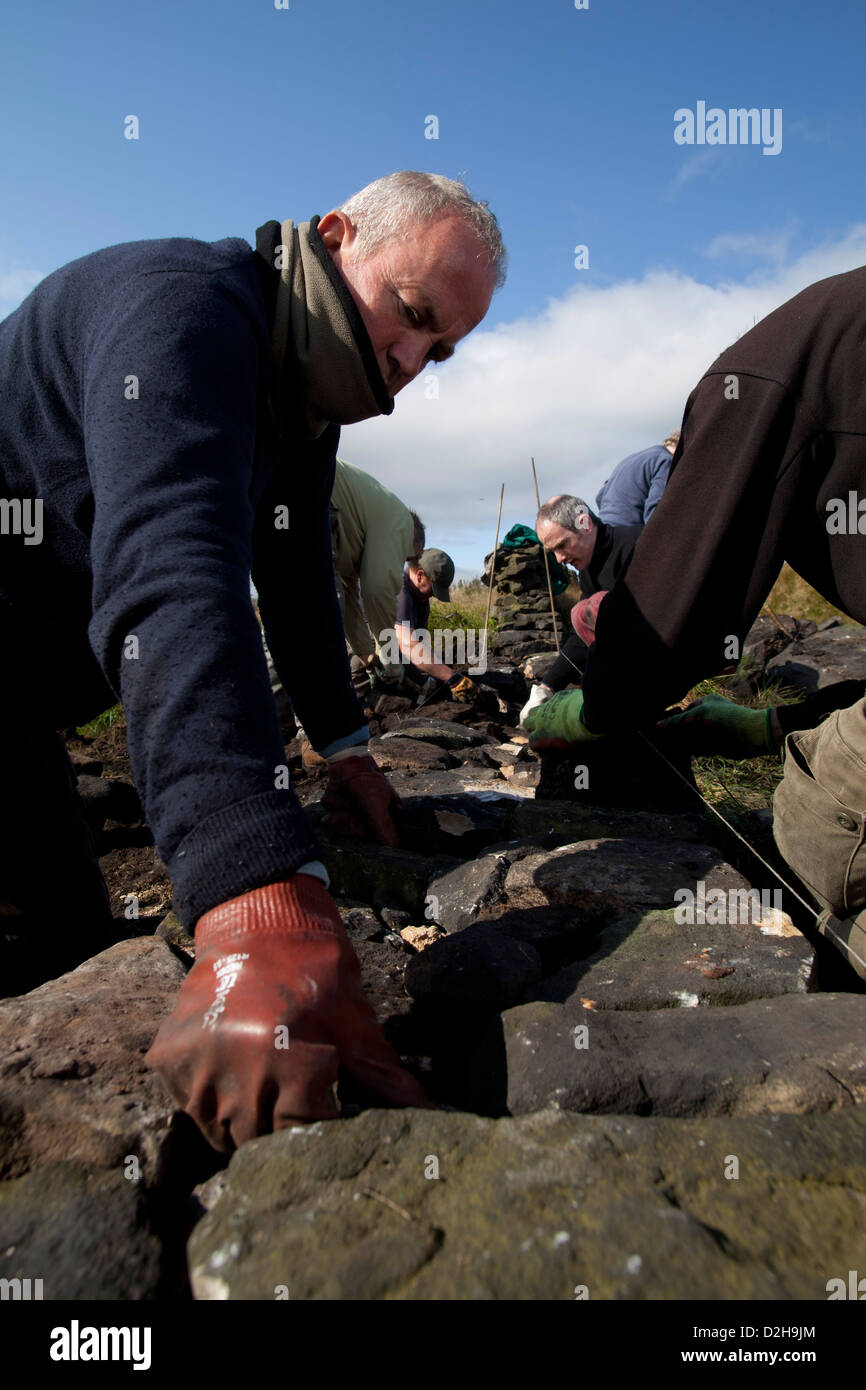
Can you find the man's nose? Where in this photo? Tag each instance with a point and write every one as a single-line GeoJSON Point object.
{"type": "Point", "coordinates": [410, 353]}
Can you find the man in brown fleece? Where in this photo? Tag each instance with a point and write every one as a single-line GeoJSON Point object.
{"type": "Point", "coordinates": [770, 467]}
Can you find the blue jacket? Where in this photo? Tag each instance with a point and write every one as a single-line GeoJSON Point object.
{"type": "Point", "coordinates": [134, 401]}
{"type": "Point", "coordinates": [634, 488]}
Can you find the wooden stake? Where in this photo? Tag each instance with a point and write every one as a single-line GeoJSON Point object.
{"type": "Point", "coordinates": [493, 569]}
{"type": "Point", "coordinates": [780, 626]}
{"type": "Point", "coordinates": [546, 565]}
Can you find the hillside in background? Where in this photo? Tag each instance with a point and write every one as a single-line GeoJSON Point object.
{"type": "Point", "coordinates": [791, 594]}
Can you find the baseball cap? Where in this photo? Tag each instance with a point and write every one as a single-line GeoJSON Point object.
{"type": "Point", "coordinates": [439, 569]}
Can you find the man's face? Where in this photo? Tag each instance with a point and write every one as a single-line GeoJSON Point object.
{"type": "Point", "coordinates": [418, 296]}
{"type": "Point", "coordinates": [569, 547]}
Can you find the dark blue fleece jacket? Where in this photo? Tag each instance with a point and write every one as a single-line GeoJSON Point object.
{"type": "Point", "coordinates": [634, 488]}
{"type": "Point", "coordinates": [134, 401]}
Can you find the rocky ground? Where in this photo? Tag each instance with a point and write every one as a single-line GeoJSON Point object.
{"type": "Point", "coordinates": [633, 1107]}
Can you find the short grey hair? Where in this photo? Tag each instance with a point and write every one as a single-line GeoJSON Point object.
{"type": "Point", "coordinates": [388, 207]}
{"type": "Point", "coordinates": [564, 511]}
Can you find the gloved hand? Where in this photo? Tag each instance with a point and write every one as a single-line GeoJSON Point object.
{"type": "Point", "coordinates": [391, 672]}
{"type": "Point", "coordinates": [269, 1011]}
{"type": "Point", "coordinates": [584, 614]}
{"type": "Point", "coordinates": [537, 696]}
{"type": "Point", "coordinates": [462, 688]}
{"type": "Point", "coordinates": [716, 726]}
{"type": "Point", "coordinates": [558, 722]}
{"type": "Point", "coordinates": [359, 799]}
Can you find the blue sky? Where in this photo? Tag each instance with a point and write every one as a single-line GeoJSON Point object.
{"type": "Point", "coordinates": [563, 119]}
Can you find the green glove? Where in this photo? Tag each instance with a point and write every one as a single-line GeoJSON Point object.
{"type": "Point", "coordinates": [716, 726]}
{"type": "Point", "coordinates": [558, 723]}
{"type": "Point", "coordinates": [384, 676]}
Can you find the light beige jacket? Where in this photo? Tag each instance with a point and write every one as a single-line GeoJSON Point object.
{"type": "Point", "coordinates": [374, 535]}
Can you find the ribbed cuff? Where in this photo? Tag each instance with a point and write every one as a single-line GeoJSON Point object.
{"type": "Point", "coordinates": [297, 904]}
{"type": "Point", "coordinates": [258, 841]}
{"type": "Point", "coordinates": [769, 740]}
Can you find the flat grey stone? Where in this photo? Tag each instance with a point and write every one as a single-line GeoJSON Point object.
{"type": "Point", "coordinates": [466, 780]}
{"type": "Point", "coordinates": [799, 1053]}
{"type": "Point", "coordinates": [602, 877]}
{"type": "Point", "coordinates": [456, 898]}
{"type": "Point", "coordinates": [590, 822]}
{"type": "Point", "coordinates": [767, 637]}
{"type": "Point", "coordinates": [548, 1206]}
{"type": "Point", "coordinates": [537, 667]}
{"type": "Point", "coordinates": [822, 659]}
{"type": "Point", "coordinates": [73, 1080]}
{"type": "Point", "coordinates": [395, 753]}
{"type": "Point", "coordinates": [652, 961]}
{"type": "Point", "coordinates": [442, 733]}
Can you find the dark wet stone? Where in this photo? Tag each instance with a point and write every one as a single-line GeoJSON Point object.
{"type": "Point", "coordinates": [84, 1233]}
{"type": "Point", "coordinates": [479, 968]}
{"type": "Point", "coordinates": [107, 798]}
{"type": "Point", "coordinates": [360, 921]}
{"type": "Point", "coordinates": [626, 771]}
{"type": "Point", "coordinates": [456, 898]}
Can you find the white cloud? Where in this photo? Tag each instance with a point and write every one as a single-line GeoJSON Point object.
{"type": "Point", "coordinates": [701, 162]}
{"type": "Point", "coordinates": [594, 376]}
{"type": "Point", "coordinates": [760, 246]}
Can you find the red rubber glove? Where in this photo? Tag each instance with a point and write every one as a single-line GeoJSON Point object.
{"type": "Point", "coordinates": [584, 614]}
{"type": "Point", "coordinates": [359, 798]}
{"type": "Point", "coordinates": [271, 1009]}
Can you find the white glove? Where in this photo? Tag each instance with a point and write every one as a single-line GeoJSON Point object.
{"type": "Point", "coordinates": [537, 696]}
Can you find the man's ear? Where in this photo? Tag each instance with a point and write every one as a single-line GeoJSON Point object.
{"type": "Point", "coordinates": [336, 231]}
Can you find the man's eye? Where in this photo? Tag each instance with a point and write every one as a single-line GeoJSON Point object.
{"type": "Point", "coordinates": [412, 314]}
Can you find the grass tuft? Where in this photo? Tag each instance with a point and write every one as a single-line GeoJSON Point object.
{"type": "Point", "coordinates": [466, 610]}
{"type": "Point", "coordinates": [103, 721]}
{"type": "Point", "coordinates": [741, 785]}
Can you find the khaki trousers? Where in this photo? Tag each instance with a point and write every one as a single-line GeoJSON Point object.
{"type": "Point", "coordinates": [819, 823]}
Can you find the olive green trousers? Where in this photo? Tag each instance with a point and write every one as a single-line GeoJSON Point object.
{"type": "Point", "coordinates": [819, 822]}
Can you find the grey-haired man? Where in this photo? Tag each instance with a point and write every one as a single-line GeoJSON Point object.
{"type": "Point", "coordinates": [189, 398]}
